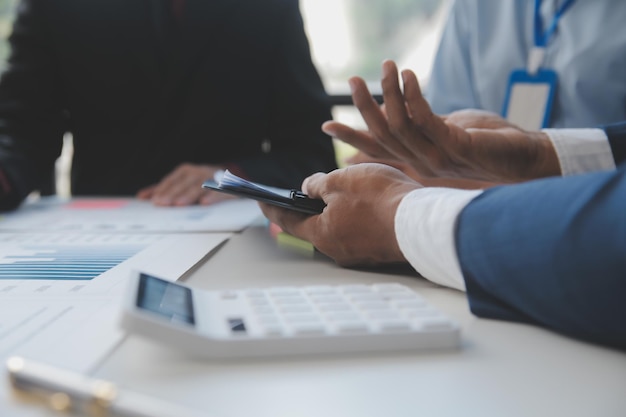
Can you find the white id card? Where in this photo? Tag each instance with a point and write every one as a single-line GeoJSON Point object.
{"type": "Point", "coordinates": [528, 99]}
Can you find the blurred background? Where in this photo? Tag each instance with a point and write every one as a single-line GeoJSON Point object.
{"type": "Point", "coordinates": [353, 37]}
{"type": "Point", "coordinates": [347, 37]}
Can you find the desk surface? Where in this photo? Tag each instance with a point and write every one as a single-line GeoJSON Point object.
{"type": "Point", "coordinates": [502, 369]}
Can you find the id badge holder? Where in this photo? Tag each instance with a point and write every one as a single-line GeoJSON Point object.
{"type": "Point", "coordinates": [528, 100]}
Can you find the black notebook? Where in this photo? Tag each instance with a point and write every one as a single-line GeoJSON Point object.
{"type": "Point", "coordinates": [291, 199]}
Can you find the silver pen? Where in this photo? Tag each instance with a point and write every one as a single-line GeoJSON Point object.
{"type": "Point", "coordinates": [64, 390]}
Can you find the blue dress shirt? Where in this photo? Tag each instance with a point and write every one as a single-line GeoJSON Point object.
{"type": "Point", "coordinates": [484, 40]}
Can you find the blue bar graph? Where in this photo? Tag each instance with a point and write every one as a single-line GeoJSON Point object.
{"type": "Point", "coordinates": [64, 262]}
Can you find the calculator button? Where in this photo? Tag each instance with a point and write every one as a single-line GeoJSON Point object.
{"type": "Point", "coordinates": [343, 316]}
{"type": "Point", "coordinates": [254, 302]}
{"type": "Point", "coordinates": [320, 290]}
{"type": "Point", "coordinates": [352, 327]}
{"type": "Point", "coordinates": [263, 309]}
{"type": "Point", "coordinates": [283, 291]}
{"type": "Point", "coordinates": [398, 297]}
{"type": "Point", "coordinates": [436, 324]}
{"type": "Point", "coordinates": [356, 289]}
{"type": "Point", "coordinates": [228, 295]}
{"type": "Point", "coordinates": [308, 329]}
{"type": "Point", "coordinates": [394, 326]}
{"type": "Point", "coordinates": [335, 307]}
{"type": "Point", "coordinates": [289, 300]}
{"type": "Point", "coordinates": [422, 313]}
{"type": "Point", "coordinates": [273, 331]}
{"type": "Point", "coordinates": [329, 298]}
{"type": "Point", "coordinates": [237, 325]}
{"type": "Point", "coordinates": [296, 318]}
{"type": "Point", "coordinates": [410, 305]}
{"type": "Point", "coordinates": [390, 288]}
{"type": "Point", "coordinates": [268, 318]}
{"type": "Point", "coordinates": [255, 294]}
{"type": "Point", "coordinates": [383, 315]}
{"type": "Point", "coordinates": [367, 297]}
{"type": "Point", "coordinates": [373, 305]}
{"type": "Point", "coordinates": [296, 309]}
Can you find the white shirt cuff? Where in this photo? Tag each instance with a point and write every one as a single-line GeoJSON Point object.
{"type": "Point", "coordinates": [581, 150]}
{"type": "Point", "coordinates": [425, 225]}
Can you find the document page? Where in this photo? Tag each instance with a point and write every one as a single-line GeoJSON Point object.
{"type": "Point", "coordinates": [129, 215]}
{"type": "Point", "coordinates": [60, 294]}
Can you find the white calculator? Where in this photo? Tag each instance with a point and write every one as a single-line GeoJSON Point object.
{"type": "Point", "coordinates": [281, 321]}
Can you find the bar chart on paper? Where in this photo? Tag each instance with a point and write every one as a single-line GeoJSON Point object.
{"type": "Point", "coordinates": [59, 292]}
{"type": "Point", "coordinates": [50, 257]}
{"type": "Point", "coordinates": [68, 264]}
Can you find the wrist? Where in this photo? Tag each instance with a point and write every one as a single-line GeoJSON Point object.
{"type": "Point", "coordinates": [547, 161]}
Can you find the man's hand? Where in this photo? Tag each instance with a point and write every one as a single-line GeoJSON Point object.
{"type": "Point", "coordinates": [183, 187]}
{"type": "Point", "coordinates": [357, 224]}
{"type": "Point", "coordinates": [461, 183]}
{"type": "Point", "coordinates": [466, 144]}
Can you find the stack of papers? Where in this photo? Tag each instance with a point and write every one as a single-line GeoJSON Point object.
{"type": "Point", "coordinates": [291, 199]}
{"type": "Point", "coordinates": [65, 264]}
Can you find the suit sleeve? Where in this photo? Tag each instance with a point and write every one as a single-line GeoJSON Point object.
{"type": "Point", "coordinates": [617, 139]}
{"type": "Point", "coordinates": [550, 252]}
{"type": "Point", "coordinates": [299, 106]}
{"type": "Point", "coordinates": [32, 120]}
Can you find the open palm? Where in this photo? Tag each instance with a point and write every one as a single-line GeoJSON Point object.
{"type": "Point", "coordinates": [465, 144]}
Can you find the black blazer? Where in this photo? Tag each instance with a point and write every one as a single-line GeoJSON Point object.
{"type": "Point", "coordinates": [233, 83]}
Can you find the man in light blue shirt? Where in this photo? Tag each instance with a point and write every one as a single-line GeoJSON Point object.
{"type": "Point", "coordinates": [485, 40]}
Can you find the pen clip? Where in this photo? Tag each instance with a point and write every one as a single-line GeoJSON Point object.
{"type": "Point", "coordinates": [297, 194]}
{"type": "Point", "coordinates": [28, 393]}
{"type": "Point", "coordinates": [68, 391]}
{"type": "Point", "coordinates": [30, 382]}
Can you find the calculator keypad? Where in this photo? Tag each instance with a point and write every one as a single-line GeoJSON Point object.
{"type": "Point", "coordinates": [338, 310]}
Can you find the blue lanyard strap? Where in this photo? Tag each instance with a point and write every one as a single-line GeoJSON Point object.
{"type": "Point", "coordinates": [541, 37]}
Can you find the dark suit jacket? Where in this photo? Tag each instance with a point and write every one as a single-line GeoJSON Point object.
{"type": "Point", "coordinates": [552, 252]}
{"type": "Point", "coordinates": [234, 83]}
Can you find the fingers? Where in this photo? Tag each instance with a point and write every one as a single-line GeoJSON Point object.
{"type": "Point", "coordinates": [211, 197]}
{"type": "Point", "coordinates": [360, 158]}
{"type": "Point", "coordinates": [182, 196]}
{"type": "Point", "coordinates": [179, 196]}
{"type": "Point", "coordinates": [183, 186]}
{"type": "Point", "coordinates": [395, 105]}
{"type": "Point", "coordinates": [376, 117]}
{"type": "Point", "coordinates": [477, 119]}
{"type": "Point", "coordinates": [360, 139]}
{"type": "Point", "coordinates": [368, 107]}
{"type": "Point", "coordinates": [146, 193]}
{"type": "Point", "coordinates": [178, 190]}
{"type": "Point", "coordinates": [292, 222]}
{"type": "Point", "coordinates": [312, 185]}
{"type": "Point", "coordinates": [432, 126]}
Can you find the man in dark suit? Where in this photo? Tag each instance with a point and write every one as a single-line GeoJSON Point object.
{"type": "Point", "coordinates": [159, 95]}
{"type": "Point", "coordinates": [550, 252]}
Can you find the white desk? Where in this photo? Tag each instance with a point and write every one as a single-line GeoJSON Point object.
{"type": "Point", "coordinates": [503, 369]}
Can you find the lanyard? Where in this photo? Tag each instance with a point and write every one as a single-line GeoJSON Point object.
{"type": "Point", "coordinates": [543, 37]}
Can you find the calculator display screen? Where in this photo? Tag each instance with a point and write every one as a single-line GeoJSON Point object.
{"type": "Point", "coordinates": [167, 299]}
